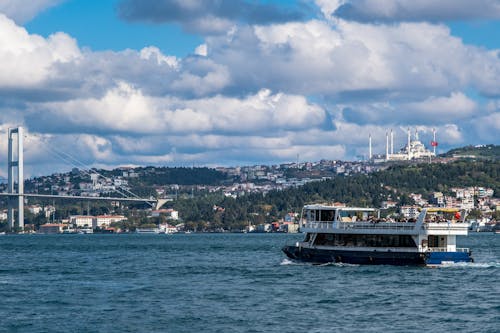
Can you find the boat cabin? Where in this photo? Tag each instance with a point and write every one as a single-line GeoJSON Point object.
{"type": "Point", "coordinates": [321, 213]}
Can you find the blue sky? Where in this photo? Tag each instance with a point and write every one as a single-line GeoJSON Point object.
{"type": "Point", "coordinates": [95, 24]}
{"type": "Point", "coordinates": [146, 82]}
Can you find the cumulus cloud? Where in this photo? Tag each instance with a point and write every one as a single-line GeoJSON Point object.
{"type": "Point", "coordinates": [257, 94]}
{"type": "Point", "coordinates": [125, 109]}
{"type": "Point", "coordinates": [487, 128]}
{"type": "Point", "coordinates": [432, 110]}
{"type": "Point", "coordinates": [36, 68]}
{"type": "Point", "coordinates": [410, 10]}
{"type": "Point", "coordinates": [27, 60]}
{"type": "Point", "coordinates": [208, 16]}
{"type": "Point", "coordinates": [316, 57]}
{"type": "Point", "coordinates": [23, 11]}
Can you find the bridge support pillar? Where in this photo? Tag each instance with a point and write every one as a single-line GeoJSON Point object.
{"type": "Point", "coordinates": [16, 200]}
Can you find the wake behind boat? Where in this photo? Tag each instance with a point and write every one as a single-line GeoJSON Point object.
{"type": "Point", "coordinates": [358, 236]}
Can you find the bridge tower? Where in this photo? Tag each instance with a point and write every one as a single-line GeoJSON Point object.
{"type": "Point", "coordinates": [18, 199]}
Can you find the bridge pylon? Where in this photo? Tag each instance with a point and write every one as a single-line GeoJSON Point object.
{"type": "Point", "coordinates": [13, 163]}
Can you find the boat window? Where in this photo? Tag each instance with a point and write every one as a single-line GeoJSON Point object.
{"type": "Point", "coordinates": [327, 215]}
{"type": "Point", "coordinates": [365, 240]}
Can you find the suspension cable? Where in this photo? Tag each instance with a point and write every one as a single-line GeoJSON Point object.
{"type": "Point", "coordinates": [68, 158]}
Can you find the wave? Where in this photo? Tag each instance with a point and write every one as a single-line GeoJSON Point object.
{"type": "Point", "coordinates": [492, 264]}
{"type": "Point", "coordinates": [286, 262]}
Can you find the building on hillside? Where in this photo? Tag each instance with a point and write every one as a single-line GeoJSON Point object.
{"type": "Point", "coordinates": [414, 149]}
{"type": "Point", "coordinates": [482, 192]}
{"type": "Point", "coordinates": [35, 209]}
{"type": "Point", "coordinates": [103, 221]}
{"type": "Point", "coordinates": [169, 213]}
{"type": "Point", "coordinates": [83, 221]}
{"type": "Point", "coordinates": [437, 199]}
{"type": "Point", "coordinates": [50, 228]}
{"type": "Point", "coordinates": [168, 229]}
{"type": "Point", "coordinates": [388, 204]}
{"type": "Point", "coordinates": [409, 212]}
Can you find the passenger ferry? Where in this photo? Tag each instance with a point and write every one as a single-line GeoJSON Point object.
{"type": "Point", "coordinates": [359, 236]}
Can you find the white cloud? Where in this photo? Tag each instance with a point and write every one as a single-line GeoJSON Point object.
{"type": "Point", "coordinates": [27, 60]}
{"type": "Point", "coordinates": [328, 7]}
{"type": "Point", "coordinates": [487, 128]}
{"type": "Point", "coordinates": [261, 94]}
{"type": "Point", "coordinates": [126, 109]}
{"type": "Point", "coordinates": [316, 57]}
{"type": "Point", "coordinates": [456, 106]}
{"type": "Point", "coordinates": [411, 10]}
{"type": "Point", "coordinates": [23, 11]}
{"type": "Point", "coordinates": [154, 53]}
{"type": "Point", "coordinates": [201, 50]}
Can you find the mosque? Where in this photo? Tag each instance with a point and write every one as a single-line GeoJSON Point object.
{"type": "Point", "coordinates": [414, 149]}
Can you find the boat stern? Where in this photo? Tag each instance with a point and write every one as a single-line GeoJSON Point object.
{"type": "Point", "coordinates": [440, 258]}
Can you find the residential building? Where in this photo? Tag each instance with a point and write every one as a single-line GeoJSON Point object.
{"type": "Point", "coordinates": [106, 220]}
{"type": "Point", "coordinates": [83, 221]}
{"type": "Point", "coordinates": [409, 211]}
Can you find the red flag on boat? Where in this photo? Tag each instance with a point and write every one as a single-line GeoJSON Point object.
{"type": "Point", "coordinates": [434, 143]}
{"type": "Point", "coordinates": [457, 215]}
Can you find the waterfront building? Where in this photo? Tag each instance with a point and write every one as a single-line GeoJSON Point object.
{"type": "Point", "coordinates": [83, 221]}
{"type": "Point", "coordinates": [106, 220]}
{"type": "Point", "coordinates": [50, 228]}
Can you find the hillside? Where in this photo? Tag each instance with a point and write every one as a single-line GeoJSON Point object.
{"type": "Point", "coordinates": [395, 183]}
{"type": "Point", "coordinates": [490, 152]}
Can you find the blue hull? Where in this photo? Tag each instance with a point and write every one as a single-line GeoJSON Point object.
{"type": "Point", "coordinates": [321, 256]}
{"type": "Point", "coordinates": [437, 258]}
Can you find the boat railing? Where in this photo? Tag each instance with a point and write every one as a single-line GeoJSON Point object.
{"type": "Point", "coordinates": [444, 249]}
{"type": "Point", "coordinates": [383, 225]}
{"type": "Point", "coordinates": [361, 225]}
{"type": "Point", "coordinates": [446, 226]}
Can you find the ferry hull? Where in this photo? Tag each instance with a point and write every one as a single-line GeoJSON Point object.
{"type": "Point", "coordinates": [321, 256]}
{"type": "Point", "coordinates": [438, 258]}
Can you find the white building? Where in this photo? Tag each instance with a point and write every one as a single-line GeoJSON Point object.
{"type": "Point", "coordinates": [388, 204]}
{"type": "Point", "coordinates": [414, 149]}
{"type": "Point", "coordinates": [168, 229]}
{"type": "Point", "coordinates": [83, 221]}
{"type": "Point", "coordinates": [106, 220]}
{"type": "Point", "coordinates": [409, 211]}
{"type": "Point", "coordinates": [35, 209]}
{"type": "Point", "coordinates": [169, 213]}
{"type": "Point", "coordinates": [437, 199]}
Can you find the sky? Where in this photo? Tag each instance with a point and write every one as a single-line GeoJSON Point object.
{"type": "Point", "coordinates": [242, 82]}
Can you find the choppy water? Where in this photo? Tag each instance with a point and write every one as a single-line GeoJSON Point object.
{"type": "Point", "coordinates": [233, 283]}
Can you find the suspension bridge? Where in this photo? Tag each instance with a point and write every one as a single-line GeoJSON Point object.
{"type": "Point", "coordinates": [16, 196]}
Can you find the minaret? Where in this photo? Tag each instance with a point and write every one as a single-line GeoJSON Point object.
{"type": "Point", "coordinates": [386, 146]}
{"type": "Point", "coordinates": [409, 144]}
{"type": "Point", "coordinates": [392, 142]}
{"type": "Point", "coordinates": [370, 147]}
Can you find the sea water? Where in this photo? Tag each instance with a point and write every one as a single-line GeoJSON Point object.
{"type": "Point", "coordinates": [233, 283]}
